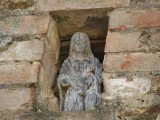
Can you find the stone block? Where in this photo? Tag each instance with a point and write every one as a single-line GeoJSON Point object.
{"type": "Point", "coordinates": [22, 25]}
{"type": "Point", "coordinates": [19, 73]}
{"type": "Point", "coordinates": [46, 101]}
{"type": "Point", "coordinates": [16, 4]}
{"type": "Point", "coordinates": [5, 41]}
{"type": "Point", "coordinates": [131, 62]}
{"type": "Point", "coordinates": [17, 99]}
{"type": "Point", "coordinates": [25, 50]}
{"type": "Point", "coordinates": [53, 5]}
{"type": "Point", "coordinates": [132, 42]}
{"type": "Point", "coordinates": [123, 42]}
{"type": "Point", "coordinates": [125, 87]}
{"type": "Point", "coordinates": [135, 93]}
{"type": "Point", "coordinates": [53, 39]}
{"type": "Point", "coordinates": [49, 61]}
{"type": "Point", "coordinates": [126, 19]}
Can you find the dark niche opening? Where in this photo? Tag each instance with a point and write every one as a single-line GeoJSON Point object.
{"type": "Point", "coordinates": [94, 22]}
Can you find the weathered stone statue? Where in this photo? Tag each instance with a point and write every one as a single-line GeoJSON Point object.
{"type": "Point", "coordinates": [80, 76]}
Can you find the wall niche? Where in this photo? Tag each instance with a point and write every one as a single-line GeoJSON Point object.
{"type": "Point", "coordinates": [63, 24]}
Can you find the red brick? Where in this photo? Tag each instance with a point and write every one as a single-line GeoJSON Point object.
{"type": "Point", "coordinates": [19, 72]}
{"type": "Point", "coordinates": [51, 5]}
{"type": "Point", "coordinates": [125, 19]}
{"type": "Point", "coordinates": [120, 42]}
{"type": "Point", "coordinates": [24, 25]}
{"type": "Point", "coordinates": [25, 50]}
{"type": "Point", "coordinates": [131, 62]}
{"type": "Point", "coordinates": [16, 100]}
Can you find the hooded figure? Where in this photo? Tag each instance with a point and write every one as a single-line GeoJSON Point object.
{"type": "Point", "coordinates": [80, 76]}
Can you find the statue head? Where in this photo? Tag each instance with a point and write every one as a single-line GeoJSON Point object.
{"type": "Point", "coordinates": [80, 44]}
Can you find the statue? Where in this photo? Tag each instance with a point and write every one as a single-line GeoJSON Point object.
{"type": "Point", "coordinates": [80, 76]}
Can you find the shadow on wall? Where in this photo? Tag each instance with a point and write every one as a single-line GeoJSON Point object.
{"type": "Point", "coordinates": [93, 22]}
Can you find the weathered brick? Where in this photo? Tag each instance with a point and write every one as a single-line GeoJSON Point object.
{"type": "Point", "coordinates": [125, 87]}
{"type": "Point", "coordinates": [51, 5]}
{"type": "Point", "coordinates": [25, 50]}
{"type": "Point", "coordinates": [24, 25]}
{"type": "Point", "coordinates": [132, 41]}
{"type": "Point", "coordinates": [145, 4]}
{"type": "Point", "coordinates": [154, 42]}
{"type": "Point", "coordinates": [120, 42]}
{"type": "Point", "coordinates": [19, 72]}
{"type": "Point", "coordinates": [16, 100]}
{"type": "Point", "coordinates": [125, 19]}
{"type": "Point", "coordinates": [131, 62]}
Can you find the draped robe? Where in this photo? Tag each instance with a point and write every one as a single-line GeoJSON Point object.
{"type": "Point", "coordinates": [79, 83]}
{"type": "Point", "coordinates": [83, 90]}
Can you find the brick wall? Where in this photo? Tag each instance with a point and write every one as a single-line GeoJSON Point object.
{"type": "Point", "coordinates": [132, 60]}
{"type": "Point", "coordinates": [27, 61]}
{"type": "Point", "coordinates": [29, 50]}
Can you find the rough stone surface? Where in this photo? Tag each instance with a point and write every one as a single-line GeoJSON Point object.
{"type": "Point", "coordinates": [122, 87]}
{"type": "Point", "coordinates": [19, 73]}
{"type": "Point", "coordinates": [131, 62]}
{"type": "Point", "coordinates": [81, 4]}
{"type": "Point", "coordinates": [46, 101]}
{"type": "Point", "coordinates": [25, 50]}
{"type": "Point", "coordinates": [154, 42]}
{"type": "Point", "coordinates": [22, 25]}
{"type": "Point", "coordinates": [49, 61]}
{"type": "Point", "coordinates": [93, 22]}
{"type": "Point", "coordinates": [145, 4]}
{"type": "Point", "coordinates": [53, 39]}
{"type": "Point", "coordinates": [134, 94]}
{"type": "Point", "coordinates": [132, 42]}
{"type": "Point", "coordinates": [16, 4]}
{"type": "Point", "coordinates": [125, 19]}
{"type": "Point", "coordinates": [17, 99]}
{"type": "Point", "coordinates": [5, 41]}
{"type": "Point", "coordinates": [120, 42]}
{"type": "Point", "coordinates": [109, 114]}
{"type": "Point", "coordinates": [149, 113]}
